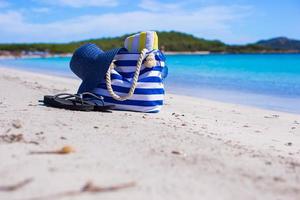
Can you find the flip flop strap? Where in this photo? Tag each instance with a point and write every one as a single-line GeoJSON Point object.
{"type": "Point", "coordinates": [100, 98]}
{"type": "Point", "coordinates": [78, 97]}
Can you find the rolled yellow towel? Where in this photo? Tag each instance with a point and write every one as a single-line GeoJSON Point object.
{"type": "Point", "coordinates": [136, 43]}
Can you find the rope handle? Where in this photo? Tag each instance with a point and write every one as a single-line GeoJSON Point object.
{"type": "Point", "coordinates": [134, 80]}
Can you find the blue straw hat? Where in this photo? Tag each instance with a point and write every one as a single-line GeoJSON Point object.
{"type": "Point", "coordinates": [90, 64]}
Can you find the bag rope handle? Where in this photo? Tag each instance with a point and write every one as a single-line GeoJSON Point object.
{"type": "Point", "coordinates": [134, 80]}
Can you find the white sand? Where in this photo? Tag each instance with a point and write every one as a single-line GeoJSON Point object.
{"type": "Point", "coordinates": [225, 151]}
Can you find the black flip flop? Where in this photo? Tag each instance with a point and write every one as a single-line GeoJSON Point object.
{"type": "Point", "coordinates": [76, 102]}
{"type": "Point", "coordinates": [93, 99]}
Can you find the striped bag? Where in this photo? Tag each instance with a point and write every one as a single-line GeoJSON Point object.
{"type": "Point", "coordinates": [134, 81]}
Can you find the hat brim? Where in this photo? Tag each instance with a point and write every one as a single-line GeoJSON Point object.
{"type": "Point", "coordinates": [92, 69]}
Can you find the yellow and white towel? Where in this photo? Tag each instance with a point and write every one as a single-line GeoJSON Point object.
{"type": "Point", "coordinates": [136, 43]}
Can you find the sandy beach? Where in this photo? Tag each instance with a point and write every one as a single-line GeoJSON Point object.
{"type": "Point", "coordinates": [193, 149]}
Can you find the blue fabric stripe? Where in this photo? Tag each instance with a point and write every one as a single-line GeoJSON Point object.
{"type": "Point", "coordinates": [150, 79]}
{"type": "Point", "coordinates": [126, 52]}
{"type": "Point", "coordinates": [131, 74]}
{"type": "Point", "coordinates": [126, 62]}
{"type": "Point", "coordinates": [133, 102]}
{"type": "Point", "coordinates": [147, 91]}
{"type": "Point", "coordinates": [160, 57]}
{"type": "Point", "coordinates": [130, 63]}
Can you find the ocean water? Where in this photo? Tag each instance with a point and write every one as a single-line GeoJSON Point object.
{"type": "Point", "coordinates": [269, 81]}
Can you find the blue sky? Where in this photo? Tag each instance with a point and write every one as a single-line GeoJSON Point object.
{"type": "Point", "coordinates": [231, 21]}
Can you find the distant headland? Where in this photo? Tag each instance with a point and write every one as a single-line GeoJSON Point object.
{"type": "Point", "coordinates": [171, 42]}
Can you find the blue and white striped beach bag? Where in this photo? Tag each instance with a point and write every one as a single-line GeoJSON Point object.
{"type": "Point", "coordinates": [134, 81]}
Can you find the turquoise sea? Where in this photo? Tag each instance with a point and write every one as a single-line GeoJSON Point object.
{"type": "Point", "coordinates": [269, 81]}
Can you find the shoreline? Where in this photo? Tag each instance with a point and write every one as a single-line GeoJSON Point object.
{"type": "Point", "coordinates": [166, 53]}
{"type": "Point", "coordinates": [187, 53]}
{"type": "Point", "coordinates": [215, 98]}
{"type": "Point", "coordinates": [227, 53]}
{"type": "Point", "coordinates": [74, 79]}
{"type": "Point", "coordinates": [36, 56]}
{"type": "Point", "coordinates": [193, 145]}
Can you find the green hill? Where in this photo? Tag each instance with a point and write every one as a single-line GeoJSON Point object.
{"type": "Point", "coordinates": [168, 41]}
{"type": "Point", "coordinates": [281, 43]}
{"type": "Point", "coordinates": [176, 41]}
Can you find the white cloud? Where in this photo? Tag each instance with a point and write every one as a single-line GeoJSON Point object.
{"type": "Point", "coordinates": [41, 10]}
{"type": "Point", "coordinates": [7, 18]}
{"type": "Point", "coordinates": [153, 5]}
{"type": "Point", "coordinates": [81, 3]}
{"type": "Point", "coordinates": [4, 4]}
{"type": "Point", "coordinates": [209, 22]}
